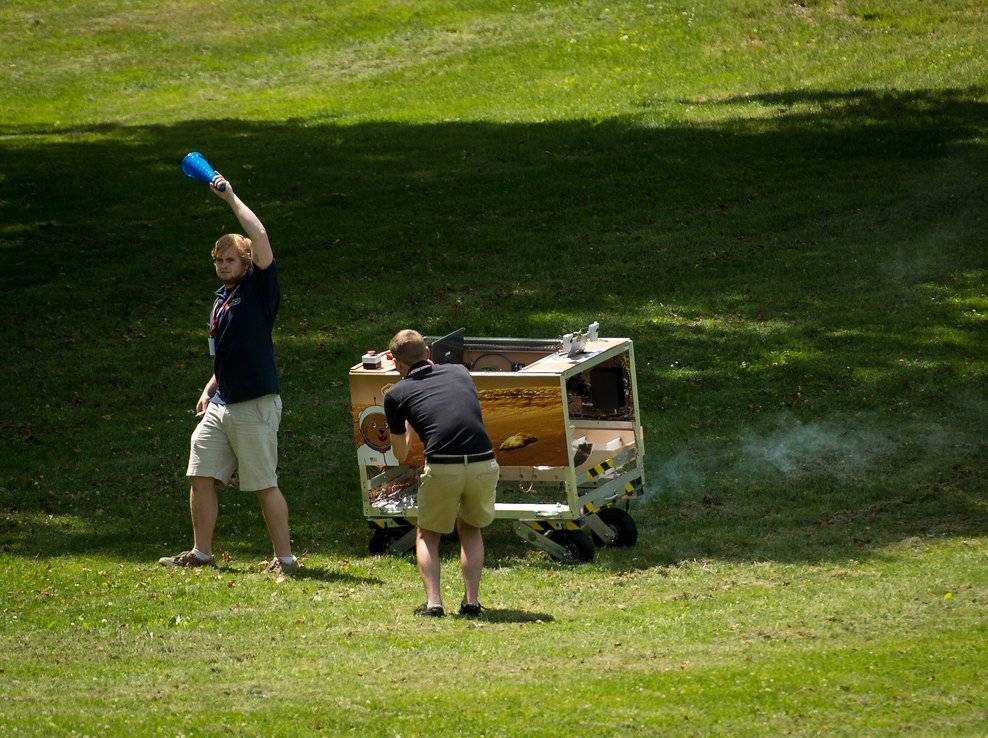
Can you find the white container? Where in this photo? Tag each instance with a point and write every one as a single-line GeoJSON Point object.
{"type": "Point", "coordinates": [372, 360]}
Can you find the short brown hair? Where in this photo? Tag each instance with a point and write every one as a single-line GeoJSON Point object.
{"type": "Point", "coordinates": [408, 346]}
{"type": "Point", "coordinates": [241, 244]}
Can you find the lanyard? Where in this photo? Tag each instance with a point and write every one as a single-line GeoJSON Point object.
{"type": "Point", "coordinates": [219, 309]}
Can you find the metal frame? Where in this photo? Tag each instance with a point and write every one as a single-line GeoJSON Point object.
{"type": "Point", "coordinates": [613, 481]}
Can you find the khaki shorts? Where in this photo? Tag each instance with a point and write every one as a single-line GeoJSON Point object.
{"type": "Point", "coordinates": [449, 491]}
{"type": "Point", "coordinates": [242, 438]}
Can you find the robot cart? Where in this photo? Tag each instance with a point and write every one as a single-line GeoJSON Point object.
{"type": "Point", "coordinates": [563, 417]}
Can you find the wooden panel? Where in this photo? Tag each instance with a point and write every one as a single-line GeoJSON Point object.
{"type": "Point", "coordinates": [523, 416]}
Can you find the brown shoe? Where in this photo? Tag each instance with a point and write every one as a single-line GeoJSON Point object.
{"type": "Point", "coordinates": [277, 566]}
{"type": "Point", "coordinates": [186, 558]}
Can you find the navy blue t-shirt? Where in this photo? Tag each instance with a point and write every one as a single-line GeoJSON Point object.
{"type": "Point", "coordinates": [240, 323]}
{"type": "Point", "coordinates": [440, 402]}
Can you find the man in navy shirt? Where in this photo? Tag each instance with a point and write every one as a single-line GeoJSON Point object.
{"type": "Point", "coordinates": [240, 408]}
{"type": "Point", "coordinates": [439, 404]}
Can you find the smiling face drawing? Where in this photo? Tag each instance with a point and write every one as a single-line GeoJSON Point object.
{"type": "Point", "coordinates": [374, 429]}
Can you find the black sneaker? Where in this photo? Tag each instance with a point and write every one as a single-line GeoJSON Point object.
{"type": "Point", "coordinates": [471, 611]}
{"type": "Point", "coordinates": [436, 611]}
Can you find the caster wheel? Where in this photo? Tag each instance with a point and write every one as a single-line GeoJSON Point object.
{"type": "Point", "coordinates": [576, 542]}
{"type": "Point", "coordinates": [623, 525]}
{"type": "Point", "coordinates": [382, 539]}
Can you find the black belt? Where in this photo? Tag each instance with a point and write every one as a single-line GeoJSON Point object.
{"type": "Point", "coordinates": [458, 458]}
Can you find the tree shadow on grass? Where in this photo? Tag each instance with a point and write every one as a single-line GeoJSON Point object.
{"type": "Point", "coordinates": [823, 261]}
{"type": "Point", "coordinates": [315, 573]}
{"type": "Point", "coordinates": [322, 574]}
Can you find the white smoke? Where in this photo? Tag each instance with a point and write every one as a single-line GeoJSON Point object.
{"type": "Point", "coordinates": [678, 475]}
{"type": "Point", "coordinates": [792, 448]}
{"type": "Point", "coordinates": [795, 448]}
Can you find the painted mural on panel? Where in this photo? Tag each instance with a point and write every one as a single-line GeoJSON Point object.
{"type": "Point", "coordinates": [523, 416]}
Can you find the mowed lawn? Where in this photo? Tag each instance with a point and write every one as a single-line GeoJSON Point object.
{"type": "Point", "coordinates": [782, 203]}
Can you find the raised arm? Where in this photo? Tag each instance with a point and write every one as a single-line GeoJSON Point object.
{"type": "Point", "coordinates": [260, 246]}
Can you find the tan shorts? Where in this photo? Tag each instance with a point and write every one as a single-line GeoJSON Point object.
{"type": "Point", "coordinates": [242, 438]}
{"type": "Point", "coordinates": [448, 491]}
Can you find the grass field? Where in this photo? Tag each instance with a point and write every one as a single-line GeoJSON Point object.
{"type": "Point", "coordinates": [783, 204]}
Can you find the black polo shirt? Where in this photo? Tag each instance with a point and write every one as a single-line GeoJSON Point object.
{"type": "Point", "coordinates": [440, 402]}
{"type": "Point", "coordinates": [240, 323]}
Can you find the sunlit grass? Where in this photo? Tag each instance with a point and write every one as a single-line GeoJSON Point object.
{"type": "Point", "coordinates": [782, 204]}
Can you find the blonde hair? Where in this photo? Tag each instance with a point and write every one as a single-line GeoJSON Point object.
{"type": "Point", "coordinates": [408, 346]}
{"type": "Point", "coordinates": [241, 244]}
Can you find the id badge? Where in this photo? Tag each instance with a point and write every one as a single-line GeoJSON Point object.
{"type": "Point", "coordinates": [212, 346]}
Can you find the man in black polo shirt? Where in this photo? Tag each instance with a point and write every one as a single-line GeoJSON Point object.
{"type": "Point", "coordinates": [439, 403]}
{"type": "Point", "coordinates": [240, 408]}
